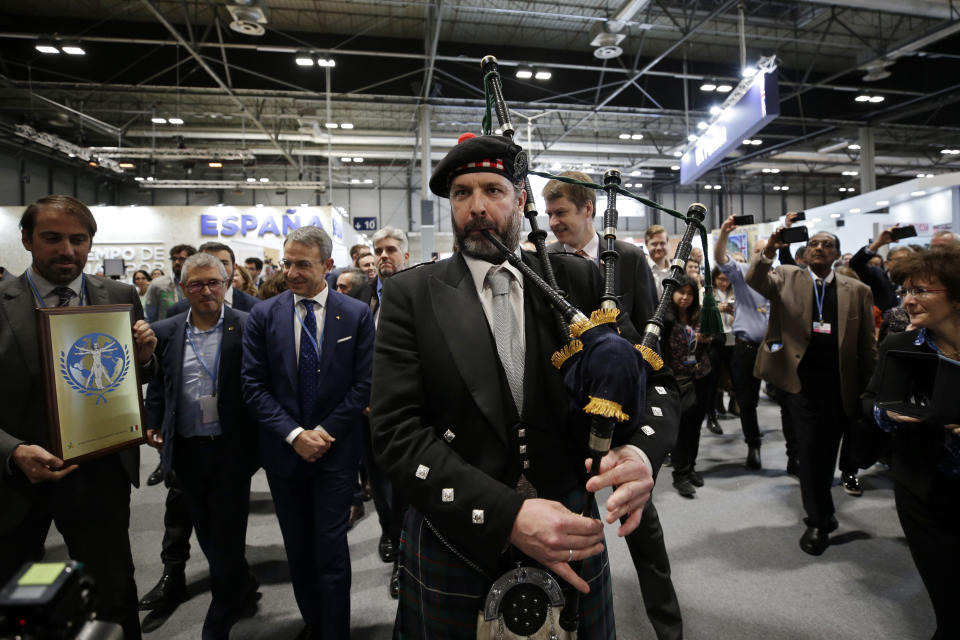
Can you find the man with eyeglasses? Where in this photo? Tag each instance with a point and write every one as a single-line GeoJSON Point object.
{"type": "Point", "coordinates": [170, 589]}
{"type": "Point", "coordinates": [307, 355]}
{"type": "Point", "coordinates": [163, 292]}
{"type": "Point", "coordinates": [195, 415]}
{"type": "Point", "coordinates": [820, 350]}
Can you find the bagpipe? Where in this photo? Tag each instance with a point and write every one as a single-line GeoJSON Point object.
{"type": "Point", "coordinates": [604, 373]}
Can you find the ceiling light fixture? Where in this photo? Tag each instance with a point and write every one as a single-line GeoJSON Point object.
{"type": "Point", "coordinates": [216, 164]}
{"type": "Point", "coordinates": [251, 179]}
{"type": "Point", "coordinates": [701, 125]}
{"type": "Point", "coordinates": [264, 179]}
{"type": "Point", "coordinates": [882, 203]}
{"type": "Point", "coordinates": [330, 125]}
{"type": "Point", "coordinates": [636, 136]}
{"type": "Point", "coordinates": [304, 59]}
{"type": "Point", "coordinates": [524, 74]}
{"type": "Point", "coordinates": [854, 210]}
{"type": "Point", "coordinates": [853, 147]}
{"type": "Point", "coordinates": [45, 46]}
{"type": "Point", "coordinates": [326, 62]}
{"type": "Point", "coordinates": [624, 136]}
{"type": "Point", "coordinates": [156, 120]}
{"type": "Point", "coordinates": [691, 138]}
{"type": "Point", "coordinates": [851, 173]}
{"type": "Point", "coordinates": [346, 159]}
{"type": "Point", "coordinates": [715, 110]}
{"type": "Point", "coordinates": [675, 167]}
{"type": "Point", "coordinates": [917, 194]}
{"type": "Point", "coordinates": [73, 49]}
{"type": "Point", "coordinates": [708, 86]}
{"type": "Point", "coordinates": [175, 120]}
{"type": "Point", "coordinates": [346, 125]}
{"type": "Point", "coordinates": [543, 75]}
{"type": "Point", "coordinates": [357, 159]}
{"type": "Point", "coordinates": [724, 88]}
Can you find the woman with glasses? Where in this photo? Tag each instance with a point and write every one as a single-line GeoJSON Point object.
{"type": "Point", "coordinates": [925, 460]}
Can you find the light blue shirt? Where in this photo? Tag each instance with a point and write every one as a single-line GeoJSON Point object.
{"type": "Point", "coordinates": [751, 311]}
{"type": "Point", "coordinates": [196, 381]}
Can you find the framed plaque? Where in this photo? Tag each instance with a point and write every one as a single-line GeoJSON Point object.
{"type": "Point", "coordinates": [91, 379]}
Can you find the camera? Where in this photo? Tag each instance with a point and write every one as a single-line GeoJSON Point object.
{"type": "Point", "coordinates": [52, 601]}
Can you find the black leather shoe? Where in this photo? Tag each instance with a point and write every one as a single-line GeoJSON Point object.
{"type": "Point", "coordinates": [793, 466]}
{"type": "Point", "coordinates": [156, 477]}
{"type": "Point", "coordinates": [684, 486]}
{"type": "Point", "coordinates": [170, 591]}
{"type": "Point", "coordinates": [753, 459]}
{"type": "Point", "coordinates": [395, 581]}
{"type": "Point", "coordinates": [851, 484]}
{"type": "Point", "coordinates": [388, 553]}
{"type": "Point", "coordinates": [814, 541]}
{"type": "Point", "coordinates": [695, 478]}
{"type": "Point", "coordinates": [713, 426]}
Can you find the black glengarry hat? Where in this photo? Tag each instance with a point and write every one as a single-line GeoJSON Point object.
{"type": "Point", "coordinates": [488, 154]}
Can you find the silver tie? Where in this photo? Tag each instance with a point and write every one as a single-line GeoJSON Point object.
{"type": "Point", "coordinates": [506, 332]}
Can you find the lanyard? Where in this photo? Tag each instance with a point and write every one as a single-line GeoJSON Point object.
{"type": "Point", "coordinates": [43, 305]}
{"type": "Point", "coordinates": [691, 337]}
{"type": "Point", "coordinates": [309, 334]}
{"type": "Point", "coordinates": [819, 296]}
{"type": "Point", "coordinates": [216, 360]}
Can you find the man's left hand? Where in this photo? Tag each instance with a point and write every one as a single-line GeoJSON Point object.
{"type": "Point", "coordinates": [144, 341]}
{"type": "Point", "coordinates": [626, 470]}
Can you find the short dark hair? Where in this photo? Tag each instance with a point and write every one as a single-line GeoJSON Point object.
{"type": "Point", "coordinates": [256, 261]}
{"type": "Point", "coordinates": [942, 263]}
{"type": "Point", "coordinates": [836, 240]}
{"type": "Point", "coordinates": [65, 203]}
{"type": "Point", "coordinates": [180, 248]}
{"type": "Point", "coordinates": [145, 274]}
{"type": "Point", "coordinates": [210, 247]}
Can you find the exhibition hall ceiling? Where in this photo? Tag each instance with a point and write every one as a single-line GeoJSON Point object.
{"type": "Point", "coordinates": [174, 88]}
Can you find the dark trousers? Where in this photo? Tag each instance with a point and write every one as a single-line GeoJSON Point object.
{"type": "Point", "coordinates": [217, 493]}
{"type": "Point", "coordinates": [650, 559]}
{"type": "Point", "coordinates": [313, 507]}
{"type": "Point", "coordinates": [177, 527]}
{"type": "Point", "coordinates": [932, 528]}
{"type": "Point", "coordinates": [91, 509]}
{"type": "Point", "coordinates": [695, 400]}
{"type": "Point", "coordinates": [746, 388]}
{"type": "Point", "coordinates": [379, 487]}
{"type": "Point", "coordinates": [819, 421]}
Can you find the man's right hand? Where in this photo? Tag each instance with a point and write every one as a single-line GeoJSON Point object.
{"type": "Point", "coordinates": [311, 444]}
{"type": "Point", "coordinates": [154, 439]}
{"type": "Point", "coordinates": [774, 244]}
{"type": "Point", "coordinates": [547, 531]}
{"type": "Point", "coordinates": [38, 464]}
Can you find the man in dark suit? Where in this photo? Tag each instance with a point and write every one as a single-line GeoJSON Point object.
{"type": "Point", "coordinates": [819, 350]}
{"type": "Point", "coordinates": [90, 502]}
{"type": "Point", "coordinates": [306, 380]}
{"type": "Point", "coordinates": [195, 414]}
{"type": "Point", "coordinates": [177, 525]}
{"type": "Point", "coordinates": [571, 210]}
{"type": "Point", "coordinates": [476, 429]}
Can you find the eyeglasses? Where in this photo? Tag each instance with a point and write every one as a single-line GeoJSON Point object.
{"type": "Point", "coordinates": [301, 265]}
{"type": "Point", "coordinates": [197, 287]}
{"type": "Point", "coordinates": [917, 292]}
{"type": "Point", "coordinates": [826, 244]}
{"type": "Point", "coordinates": [178, 259]}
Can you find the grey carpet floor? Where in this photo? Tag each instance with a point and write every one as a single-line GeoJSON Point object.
{"type": "Point", "coordinates": [737, 568]}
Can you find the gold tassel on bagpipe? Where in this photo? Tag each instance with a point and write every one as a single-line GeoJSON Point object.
{"type": "Point", "coordinates": [651, 356]}
{"type": "Point", "coordinates": [568, 351]}
{"type": "Point", "coordinates": [606, 408]}
{"type": "Point", "coordinates": [597, 318]}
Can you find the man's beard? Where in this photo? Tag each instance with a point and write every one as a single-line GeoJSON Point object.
{"type": "Point", "coordinates": [58, 277]}
{"type": "Point", "coordinates": [479, 247]}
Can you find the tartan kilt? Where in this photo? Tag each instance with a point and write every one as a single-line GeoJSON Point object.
{"type": "Point", "coordinates": [440, 594]}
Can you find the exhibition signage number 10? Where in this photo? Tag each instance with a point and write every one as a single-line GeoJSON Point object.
{"type": "Point", "coordinates": [365, 224]}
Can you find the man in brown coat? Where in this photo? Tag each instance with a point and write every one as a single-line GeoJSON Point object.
{"type": "Point", "coordinates": [820, 350]}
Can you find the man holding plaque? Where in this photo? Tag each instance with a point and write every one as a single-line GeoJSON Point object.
{"type": "Point", "coordinates": [90, 502]}
{"type": "Point", "coordinates": [195, 414]}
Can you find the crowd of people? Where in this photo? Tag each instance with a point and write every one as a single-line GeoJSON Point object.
{"type": "Point", "coordinates": [431, 390]}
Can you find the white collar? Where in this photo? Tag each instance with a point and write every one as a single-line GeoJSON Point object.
{"type": "Point", "coordinates": [592, 248]}
{"type": "Point", "coordinates": [228, 297]}
{"type": "Point", "coordinates": [480, 268]}
{"type": "Point", "coordinates": [320, 298]}
{"type": "Point", "coordinates": [826, 280]}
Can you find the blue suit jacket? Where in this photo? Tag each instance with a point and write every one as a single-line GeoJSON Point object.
{"type": "Point", "coordinates": [163, 393]}
{"type": "Point", "coordinates": [241, 302]}
{"type": "Point", "coordinates": [271, 380]}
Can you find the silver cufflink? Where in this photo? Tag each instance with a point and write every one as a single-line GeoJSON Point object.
{"type": "Point", "coordinates": [449, 435]}
{"type": "Point", "coordinates": [523, 448]}
{"type": "Point", "coordinates": [657, 411]}
{"type": "Point", "coordinates": [446, 495]}
{"type": "Point", "coordinates": [478, 516]}
{"type": "Point", "coordinates": [660, 390]}
{"type": "Point", "coordinates": [422, 471]}
{"type": "Point", "coordinates": [526, 464]}
{"type": "Point", "coordinates": [647, 430]}
{"type": "Point", "coordinates": [521, 433]}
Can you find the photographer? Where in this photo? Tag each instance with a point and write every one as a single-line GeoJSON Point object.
{"type": "Point", "coordinates": [819, 349]}
{"type": "Point", "coordinates": [926, 457]}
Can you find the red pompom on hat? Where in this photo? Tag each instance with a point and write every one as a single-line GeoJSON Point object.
{"type": "Point", "coordinates": [465, 136]}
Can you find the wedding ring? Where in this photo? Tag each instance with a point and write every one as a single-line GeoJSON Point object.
{"type": "Point", "coordinates": [570, 557]}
